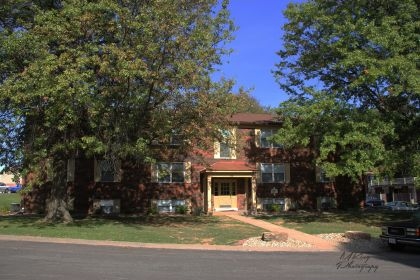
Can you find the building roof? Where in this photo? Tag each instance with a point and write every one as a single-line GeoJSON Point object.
{"type": "Point", "coordinates": [252, 118]}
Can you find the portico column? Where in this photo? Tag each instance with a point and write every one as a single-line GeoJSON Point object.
{"type": "Point", "coordinates": [254, 194]}
{"type": "Point", "coordinates": [209, 205]}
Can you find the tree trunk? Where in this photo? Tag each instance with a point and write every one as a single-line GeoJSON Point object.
{"type": "Point", "coordinates": [56, 204]}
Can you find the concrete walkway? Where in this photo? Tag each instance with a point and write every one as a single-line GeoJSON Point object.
{"type": "Point", "coordinates": [317, 242]}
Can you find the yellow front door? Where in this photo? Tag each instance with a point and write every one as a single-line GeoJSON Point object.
{"type": "Point", "coordinates": [224, 192]}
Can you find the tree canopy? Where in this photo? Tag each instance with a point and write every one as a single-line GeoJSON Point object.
{"type": "Point", "coordinates": [363, 59]}
{"type": "Point", "coordinates": [107, 78]}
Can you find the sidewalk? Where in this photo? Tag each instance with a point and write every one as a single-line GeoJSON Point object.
{"type": "Point", "coordinates": [317, 242]}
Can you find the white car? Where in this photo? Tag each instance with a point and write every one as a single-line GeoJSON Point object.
{"type": "Point", "coordinates": [401, 206]}
{"type": "Point", "coordinates": [4, 188]}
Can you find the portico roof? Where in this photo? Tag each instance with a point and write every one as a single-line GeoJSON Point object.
{"type": "Point", "coordinates": [230, 166]}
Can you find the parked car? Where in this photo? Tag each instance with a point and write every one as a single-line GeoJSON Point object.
{"type": "Point", "coordinates": [402, 233]}
{"type": "Point", "coordinates": [400, 206]}
{"type": "Point", "coordinates": [374, 203]}
{"type": "Point", "coordinates": [15, 189]}
{"type": "Point", "coordinates": [4, 188]}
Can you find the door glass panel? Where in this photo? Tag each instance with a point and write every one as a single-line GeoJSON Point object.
{"type": "Point", "coordinates": [216, 189]}
{"type": "Point", "coordinates": [225, 189]}
{"type": "Point", "coordinates": [233, 191]}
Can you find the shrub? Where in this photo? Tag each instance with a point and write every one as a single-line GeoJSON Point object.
{"type": "Point", "coordinates": [153, 210]}
{"type": "Point", "coordinates": [276, 208]}
{"type": "Point", "coordinates": [181, 209]}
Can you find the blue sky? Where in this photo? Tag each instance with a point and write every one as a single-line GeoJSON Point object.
{"type": "Point", "coordinates": [254, 49]}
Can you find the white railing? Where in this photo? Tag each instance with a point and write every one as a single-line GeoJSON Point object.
{"type": "Point", "coordinates": [406, 181]}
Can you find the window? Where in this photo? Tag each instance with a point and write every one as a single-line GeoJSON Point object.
{"type": "Point", "coordinates": [224, 188]}
{"type": "Point", "coordinates": [169, 205]}
{"type": "Point", "coordinates": [170, 172]}
{"type": "Point", "coordinates": [225, 148]}
{"type": "Point", "coordinates": [273, 173]}
{"type": "Point", "coordinates": [265, 136]}
{"type": "Point", "coordinates": [107, 171]}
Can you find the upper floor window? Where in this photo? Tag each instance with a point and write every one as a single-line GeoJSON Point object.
{"type": "Point", "coordinates": [265, 135]}
{"type": "Point", "coordinates": [273, 173]}
{"type": "Point", "coordinates": [225, 147]}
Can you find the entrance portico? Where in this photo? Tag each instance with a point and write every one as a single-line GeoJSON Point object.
{"type": "Point", "coordinates": [229, 187]}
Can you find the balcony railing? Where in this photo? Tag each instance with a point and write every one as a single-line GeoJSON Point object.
{"type": "Point", "coordinates": [406, 181]}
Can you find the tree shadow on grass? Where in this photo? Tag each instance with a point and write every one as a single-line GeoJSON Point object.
{"type": "Point", "coordinates": [92, 222]}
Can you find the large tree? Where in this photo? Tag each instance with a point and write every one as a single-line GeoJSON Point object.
{"type": "Point", "coordinates": [362, 59]}
{"type": "Point", "coordinates": [107, 78]}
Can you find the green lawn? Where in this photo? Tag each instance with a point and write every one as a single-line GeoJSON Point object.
{"type": "Point", "coordinates": [148, 229]}
{"type": "Point", "coordinates": [6, 199]}
{"type": "Point", "coordinates": [336, 222]}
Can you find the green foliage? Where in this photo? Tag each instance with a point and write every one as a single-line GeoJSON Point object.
{"type": "Point", "coordinates": [276, 208]}
{"type": "Point", "coordinates": [348, 141]}
{"type": "Point", "coordinates": [108, 78]}
{"type": "Point", "coordinates": [354, 66]}
{"type": "Point", "coordinates": [153, 210]}
{"type": "Point", "coordinates": [181, 209]}
{"type": "Point", "coordinates": [246, 103]}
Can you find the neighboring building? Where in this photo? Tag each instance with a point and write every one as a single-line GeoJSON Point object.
{"type": "Point", "coordinates": [245, 171]}
{"type": "Point", "coordinates": [398, 189]}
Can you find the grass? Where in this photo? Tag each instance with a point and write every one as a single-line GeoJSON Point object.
{"type": "Point", "coordinates": [6, 199]}
{"type": "Point", "coordinates": [335, 222]}
{"type": "Point", "coordinates": [147, 229]}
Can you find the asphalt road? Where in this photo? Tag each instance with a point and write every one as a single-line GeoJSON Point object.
{"type": "Point", "coordinates": [33, 260]}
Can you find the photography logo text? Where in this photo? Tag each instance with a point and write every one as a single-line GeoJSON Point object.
{"type": "Point", "coordinates": [355, 261]}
